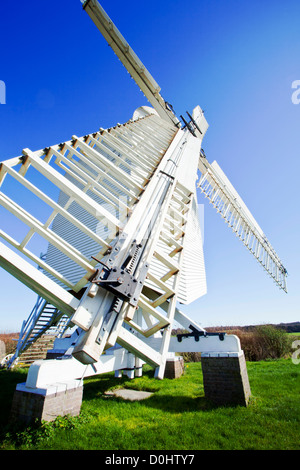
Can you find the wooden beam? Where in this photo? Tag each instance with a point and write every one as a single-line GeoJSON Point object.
{"type": "Point", "coordinates": [37, 281]}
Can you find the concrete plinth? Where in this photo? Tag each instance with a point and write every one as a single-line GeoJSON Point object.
{"type": "Point", "coordinates": [225, 378]}
{"type": "Point", "coordinates": [174, 367]}
{"type": "Point", "coordinates": [47, 403]}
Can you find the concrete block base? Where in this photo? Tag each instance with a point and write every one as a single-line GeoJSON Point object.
{"type": "Point", "coordinates": [174, 367]}
{"type": "Point", "coordinates": [225, 378]}
{"type": "Point", "coordinates": [48, 403]}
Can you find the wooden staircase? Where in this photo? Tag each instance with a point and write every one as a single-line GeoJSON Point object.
{"type": "Point", "coordinates": [37, 351]}
{"type": "Point", "coordinates": [44, 324]}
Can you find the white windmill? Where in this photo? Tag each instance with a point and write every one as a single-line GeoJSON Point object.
{"type": "Point", "coordinates": [124, 239]}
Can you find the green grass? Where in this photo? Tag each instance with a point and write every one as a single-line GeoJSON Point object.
{"type": "Point", "coordinates": [176, 417]}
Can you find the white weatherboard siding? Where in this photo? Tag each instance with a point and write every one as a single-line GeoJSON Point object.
{"type": "Point", "coordinates": [192, 283]}
{"type": "Point", "coordinates": [193, 278]}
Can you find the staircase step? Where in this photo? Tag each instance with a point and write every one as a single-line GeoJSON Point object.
{"type": "Point", "coordinates": [37, 350]}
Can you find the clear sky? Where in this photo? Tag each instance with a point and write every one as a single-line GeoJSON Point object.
{"type": "Point", "coordinates": [236, 59]}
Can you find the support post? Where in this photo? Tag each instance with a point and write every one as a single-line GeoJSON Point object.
{"type": "Point", "coordinates": [174, 367]}
{"type": "Point", "coordinates": [54, 387]}
{"type": "Point", "coordinates": [46, 404]}
{"type": "Point", "coordinates": [225, 378]}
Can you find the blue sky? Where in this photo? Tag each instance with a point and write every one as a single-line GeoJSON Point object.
{"type": "Point", "coordinates": [236, 59]}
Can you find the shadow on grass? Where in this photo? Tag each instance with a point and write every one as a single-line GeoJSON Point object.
{"type": "Point", "coordinates": [98, 385]}
{"type": "Point", "coordinates": [95, 388]}
{"type": "Point", "coordinates": [178, 403]}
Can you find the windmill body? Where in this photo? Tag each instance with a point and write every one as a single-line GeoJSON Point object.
{"type": "Point", "coordinates": [123, 235]}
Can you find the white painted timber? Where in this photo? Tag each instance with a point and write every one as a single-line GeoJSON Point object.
{"type": "Point", "coordinates": [37, 281]}
{"type": "Point", "coordinates": [44, 373]}
{"type": "Point", "coordinates": [129, 59]}
{"type": "Point", "coordinates": [193, 276]}
{"type": "Point", "coordinates": [70, 189]}
{"type": "Point", "coordinates": [215, 185]}
{"type": "Point", "coordinates": [212, 344]}
{"type": "Point", "coordinates": [115, 180]}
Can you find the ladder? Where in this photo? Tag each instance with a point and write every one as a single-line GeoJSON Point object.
{"type": "Point", "coordinates": [44, 318]}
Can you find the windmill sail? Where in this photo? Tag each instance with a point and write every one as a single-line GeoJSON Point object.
{"type": "Point", "coordinates": [215, 185]}
{"type": "Point", "coordinates": [129, 59]}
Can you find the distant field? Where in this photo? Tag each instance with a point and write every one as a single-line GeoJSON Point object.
{"type": "Point", "coordinates": [8, 339]}
{"type": "Point", "coordinates": [177, 416]}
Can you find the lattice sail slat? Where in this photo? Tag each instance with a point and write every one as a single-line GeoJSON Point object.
{"type": "Point", "coordinates": [216, 187]}
{"type": "Point", "coordinates": [100, 178]}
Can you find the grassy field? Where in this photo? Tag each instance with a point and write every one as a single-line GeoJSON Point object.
{"type": "Point", "coordinates": [176, 417]}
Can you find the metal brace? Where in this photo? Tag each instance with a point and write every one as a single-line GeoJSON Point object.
{"type": "Point", "coordinates": [196, 334]}
{"type": "Point", "coordinates": [120, 280]}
